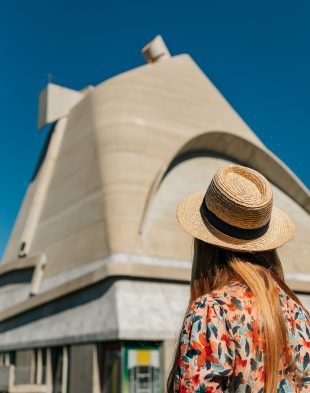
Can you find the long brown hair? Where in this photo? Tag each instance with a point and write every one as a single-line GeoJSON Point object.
{"type": "Point", "coordinates": [214, 267]}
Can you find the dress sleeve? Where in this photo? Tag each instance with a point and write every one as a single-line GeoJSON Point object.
{"type": "Point", "coordinates": [206, 350]}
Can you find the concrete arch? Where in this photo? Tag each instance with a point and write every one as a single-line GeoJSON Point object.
{"type": "Point", "coordinates": [240, 150]}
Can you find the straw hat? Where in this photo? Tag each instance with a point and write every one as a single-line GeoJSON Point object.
{"type": "Point", "coordinates": [236, 212]}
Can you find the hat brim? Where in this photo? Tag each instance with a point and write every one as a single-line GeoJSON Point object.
{"type": "Point", "coordinates": [280, 231]}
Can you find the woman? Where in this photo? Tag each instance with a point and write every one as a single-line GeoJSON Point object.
{"type": "Point", "coordinates": [244, 329]}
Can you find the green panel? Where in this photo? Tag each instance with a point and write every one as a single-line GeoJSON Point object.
{"type": "Point", "coordinates": [141, 369]}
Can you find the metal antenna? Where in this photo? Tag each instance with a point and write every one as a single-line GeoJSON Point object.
{"type": "Point", "coordinates": [50, 77]}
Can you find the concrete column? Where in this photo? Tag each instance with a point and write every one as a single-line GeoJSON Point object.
{"type": "Point", "coordinates": [39, 367]}
{"type": "Point", "coordinates": [7, 359]}
{"type": "Point", "coordinates": [49, 380]}
{"type": "Point", "coordinates": [96, 377]}
{"type": "Point", "coordinates": [65, 362]}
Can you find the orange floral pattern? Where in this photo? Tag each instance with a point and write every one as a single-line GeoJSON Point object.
{"type": "Point", "coordinates": [221, 346]}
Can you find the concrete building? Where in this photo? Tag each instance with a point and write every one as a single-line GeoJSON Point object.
{"type": "Point", "coordinates": [94, 279]}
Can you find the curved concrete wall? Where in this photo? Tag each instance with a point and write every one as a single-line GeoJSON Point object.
{"type": "Point", "coordinates": [117, 141]}
{"type": "Point", "coordinates": [160, 233]}
{"type": "Point", "coordinates": [246, 153]}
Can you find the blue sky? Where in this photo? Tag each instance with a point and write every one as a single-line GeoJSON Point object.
{"type": "Point", "coordinates": [256, 52]}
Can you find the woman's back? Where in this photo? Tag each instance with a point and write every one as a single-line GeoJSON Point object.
{"type": "Point", "coordinates": [221, 346]}
{"type": "Point", "coordinates": [239, 338]}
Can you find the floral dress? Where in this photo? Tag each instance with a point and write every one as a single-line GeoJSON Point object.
{"type": "Point", "coordinates": [221, 349]}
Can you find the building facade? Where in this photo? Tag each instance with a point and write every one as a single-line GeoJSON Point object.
{"type": "Point", "coordinates": [94, 279]}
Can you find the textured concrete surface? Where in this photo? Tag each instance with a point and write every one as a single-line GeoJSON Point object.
{"type": "Point", "coordinates": [104, 273]}
{"type": "Point", "coordinates": [55, 102]}
{"type": "Point", "coordinates": [198, 172]}
{"type": "Point", "coordinates": [101, 313]}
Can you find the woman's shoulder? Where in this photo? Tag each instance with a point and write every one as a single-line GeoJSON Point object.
{"type": "Point", "coordinates": [237, 296]}
{"type": "Point", "coordinates": [230, 297]}
{"type": "Point", "coordinates": [236, 302]}
{"type": "Point", "coordinates": [296, 317]}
